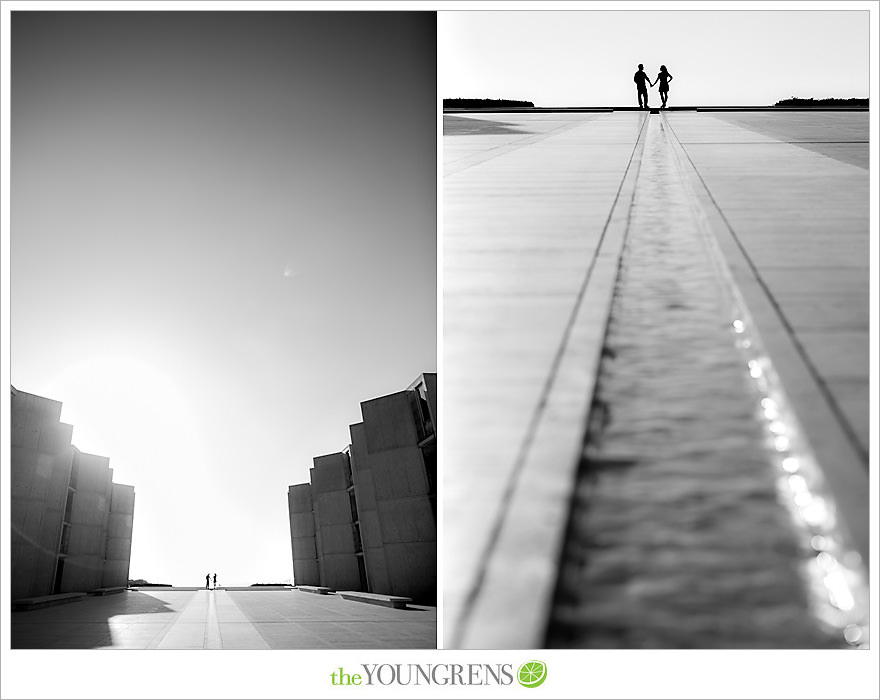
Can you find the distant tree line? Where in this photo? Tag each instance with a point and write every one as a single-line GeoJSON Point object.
{"type": "Point", "coordinates": [825, 102]}
{"type": "Point", "coordinates": [141, 583]}
{"type": "Point", "coordinates": [268, 584]}
{"type": "Point", "coordinates": [472, 103]}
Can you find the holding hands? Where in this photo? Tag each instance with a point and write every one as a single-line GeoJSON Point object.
{"type": "Point", "coordinates": [642, 82]}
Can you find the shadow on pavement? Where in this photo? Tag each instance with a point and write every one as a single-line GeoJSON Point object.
{"type": "Point", "coordinates": [84, 624]}
{"type": "Point", "coordinates": [464, 126]}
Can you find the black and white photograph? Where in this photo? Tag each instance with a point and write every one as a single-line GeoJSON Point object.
{"type": "Point", "coordinates": [223, 330]}
{"type": "Point", "coordinates": [409, 349]}
{"type": "Point", "coordinates": [656, 338]}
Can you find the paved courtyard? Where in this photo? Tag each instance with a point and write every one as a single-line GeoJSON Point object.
{"type": "Point", "coordinates": [202, 619]}
{"type": "Point", "coordinates": [537, 215]}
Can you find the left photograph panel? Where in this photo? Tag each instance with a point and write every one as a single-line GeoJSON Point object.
{"type": "Point", "coordinates": [223, 330]}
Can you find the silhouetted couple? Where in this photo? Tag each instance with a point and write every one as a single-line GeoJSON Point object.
{"type": "Point", "coordinates": [208, 580]}
{"type": "Point", "coordinates": [640, 78]}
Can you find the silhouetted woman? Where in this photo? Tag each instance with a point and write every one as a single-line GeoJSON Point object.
{"type": "Point", "coordinates": [663, 78]}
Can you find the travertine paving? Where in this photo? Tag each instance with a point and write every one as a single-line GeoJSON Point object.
{"type": "Point", "coordinates": [219, 619]}
{"type": "Point", "coordinates": [535, 208]}
{"type": "Point", "coordinates": [525, 215]}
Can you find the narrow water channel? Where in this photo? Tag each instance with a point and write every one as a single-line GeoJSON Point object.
{"type": "Point", "coordinates": [678, 536]}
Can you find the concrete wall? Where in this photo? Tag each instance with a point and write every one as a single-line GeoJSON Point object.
{"type": "Point", "coordinates": [402, 492]}
{"type": "Point", "coordinates": [302, 536]}
{"type": "Point", "coordinates": [120, 525]}
{"type": "Point", "coordinates": [388, 422]}
{"type": "Point", "coordinates": [84, 567]}
{"type": "Point", "coordinates": [390, 507]}
{"type": "Point", "coordinates": [41, 460]}
{"type": "Point", "coordinates": [406, 521]}
{"type": "Point", "coordinates": [368, 512]}
{"type": "Point", "coordinates": [337, 561]}
{"type": "Point", "coordinates": [71, 526]}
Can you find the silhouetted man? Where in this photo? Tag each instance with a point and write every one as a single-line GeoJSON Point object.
{"type": "Point", "coordinates": [640, 78]}
{"type": "Point", "coordinates": [215, 580]}
{"type": "Point", "coordinates": [207, 580]}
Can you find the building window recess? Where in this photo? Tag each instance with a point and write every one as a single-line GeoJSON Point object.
{"type": "Point", "coordinates": [68, 508]}
{"type": "Point", "coordinates": [421, 416]}
{"type": "Point", "coordinates": [65, 539]}
{"type": "Point", "coordinates": [59, 575]}
{"type": "Point", "coordinates": [356, 535]}
{"type": "Point", "coordinates": [352, 501]}
{"type": "Point", "coordinates": [74, 472]}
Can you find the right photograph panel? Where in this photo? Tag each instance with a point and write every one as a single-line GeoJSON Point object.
{"type": "Point", "coordinates": [656, 276]}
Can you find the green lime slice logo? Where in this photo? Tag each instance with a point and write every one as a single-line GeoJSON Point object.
{"type": "Point", "coordinates": [531, 674]}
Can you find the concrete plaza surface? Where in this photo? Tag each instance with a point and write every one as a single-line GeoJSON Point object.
{"type": "Point", "coordinates": [536, 210]}
{"type": "Point", "coordinates": [220, 619]}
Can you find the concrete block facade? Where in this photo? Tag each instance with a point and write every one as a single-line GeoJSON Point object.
{"type": "Point", "coordinates": [336, 542]}
{"type": "Point", "coordinates": [120, 525]}
{"type": "Point", "coordinates": [374, 504]}
{"type": "Point", "coordinates": [302, 535]}
{"type": "Point", "coordinates": [71, 525]}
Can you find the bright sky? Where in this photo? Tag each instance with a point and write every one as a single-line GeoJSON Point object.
{"type": "Point", "coordinates": [223, 239]}
{"type": "Point", "coordinates": [587, 58]}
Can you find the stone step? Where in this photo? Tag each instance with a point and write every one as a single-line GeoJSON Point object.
{"type": "Point", "coordinates": [389, 601]}
{"type": "Point", "coordinates": [320, 590]}
{"type": "Point", "coordinates": [254, 588]}
{"type": "Point", "coordinates": [110, 590]}
{"type": "Point", "coordinates": [167, 588]}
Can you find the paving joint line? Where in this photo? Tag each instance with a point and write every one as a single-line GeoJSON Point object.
{"type": "Point", "coordinates": [162, 633]}
{"type": "Point", "coordinates": [479, 625]}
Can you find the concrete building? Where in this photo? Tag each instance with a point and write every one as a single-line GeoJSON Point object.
{"type": "Point", "coordinates": [71, 525]}
{"type": "Point", "coordinates": [368, 519]}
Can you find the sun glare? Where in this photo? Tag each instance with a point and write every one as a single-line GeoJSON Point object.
{"type": "Point", "coordinates": [127, 409]}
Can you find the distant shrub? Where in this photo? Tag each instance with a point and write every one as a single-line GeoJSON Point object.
{"type": "Point", "coordinates": [268, 584]}
{"type": "Point", "coordinates": [141, 583]}
{"type": "Point", "coordinates": [825, 102]}
{"type": "Point", "coordinates": [472, 103]}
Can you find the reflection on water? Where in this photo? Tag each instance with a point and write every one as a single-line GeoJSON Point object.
{"type": "Point", "coordinates": [681, 534]}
